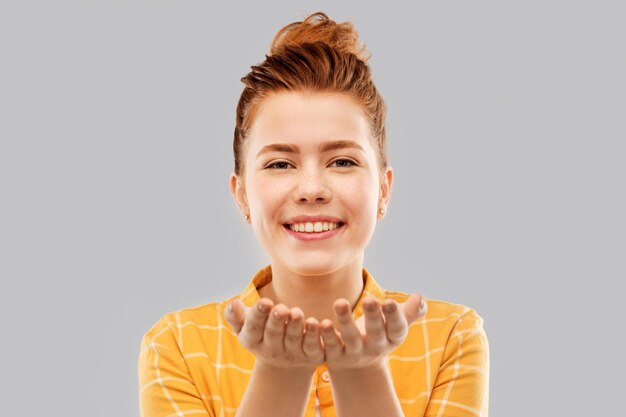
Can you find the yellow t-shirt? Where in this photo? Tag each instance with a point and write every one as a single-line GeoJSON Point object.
{"type": "Point", "coordinates": [191, 361]}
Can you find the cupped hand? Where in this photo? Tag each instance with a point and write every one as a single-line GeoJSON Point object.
{"type": "Point", "coordinates": [365, 342]}
{"type": "Point", "coordinates": [276, 335]}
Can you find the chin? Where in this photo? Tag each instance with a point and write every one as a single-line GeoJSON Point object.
{"type": "Point", "coordinates": [315, 265]}
{"type": "Point", "coordinates": [311, 271]}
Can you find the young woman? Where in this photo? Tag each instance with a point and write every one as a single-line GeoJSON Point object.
{"type": "Point", "coordinates": [313, 333]}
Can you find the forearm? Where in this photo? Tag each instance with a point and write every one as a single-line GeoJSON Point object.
{"type": "Point", "coordinates": [365, 393]}
{"type": "Point", "coordinates": [275, 392]}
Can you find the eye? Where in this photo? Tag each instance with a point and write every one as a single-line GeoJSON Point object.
{"type": "Point", "coordinates": [278, 165]}
{"type": "Point", "coordinates": [344, 163]}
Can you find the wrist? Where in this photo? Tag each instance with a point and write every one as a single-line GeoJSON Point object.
{"type": "Point", "coordinates": [269, 382]}
{"type": "Point", "coordinates": [282, 371]}
{"type": "Point", "coordinates": [373, 368]}
{"type": "Point", "coordinates": [365, 391]}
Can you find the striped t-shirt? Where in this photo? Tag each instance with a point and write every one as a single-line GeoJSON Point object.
{"type": "Point", "coordinates": [191, 361]}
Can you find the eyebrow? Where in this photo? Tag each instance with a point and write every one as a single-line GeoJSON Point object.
{"type": "Point", "coordinates": [324, 147]}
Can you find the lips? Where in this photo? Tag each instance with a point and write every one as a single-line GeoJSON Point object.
{"type": "Point", "coordinates": [313, 227]}
{"type": "Point", "coordinates": [313, 219]}
{"type": "Point", "coordinates": [313, 235]}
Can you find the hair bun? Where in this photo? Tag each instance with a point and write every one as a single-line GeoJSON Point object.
{"type": "Point", "coordinates": [318, 27]}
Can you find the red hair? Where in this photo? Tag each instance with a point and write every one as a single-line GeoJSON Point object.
{"type": "Point", "coordinates": [315, 55]}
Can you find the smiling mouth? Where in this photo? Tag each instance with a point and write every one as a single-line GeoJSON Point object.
{"type": "Point", "coordinates": [313, 227]}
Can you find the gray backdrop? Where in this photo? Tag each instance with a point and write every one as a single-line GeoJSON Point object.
{"type": "Point", "coordinates": [506, 131]}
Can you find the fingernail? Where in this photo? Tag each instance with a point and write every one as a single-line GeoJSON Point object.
{"type": "Point", "coordinates": [422, 304]}
{"type": "Point", "coordinates": [370, 307]}
{"type": "Point", "coordinates": [263, 308]}
{"type": "Point", "coordinates": [389, 308]}
{"type": "Point", "coordinates": [310, 327]}
{"type": "Point", "coordinates": [296, 319]}
{"type": "Point", "coordinates": [342, 309]}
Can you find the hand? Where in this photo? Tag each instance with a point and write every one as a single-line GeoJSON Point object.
{"type": "Point", "coordinates": [275, 334]}
{"type": "Point", "coordinates": [367, 341]}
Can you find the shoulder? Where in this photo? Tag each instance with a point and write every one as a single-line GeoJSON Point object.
{"type": "Point", "coordinates": [458, 332]}
{"type": "Point", "coordinates": [444, 321]}
{"type": "Point", "coordinates": [443, 311]}
{"type": "Point", "coordinates": [459, 316]}
{"type": "Point", "coordinates": [170, 327]}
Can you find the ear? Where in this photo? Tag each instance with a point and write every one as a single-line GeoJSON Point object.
{"type": "Point", "coordinates": [238, 192]}
{"type": "Point", "coordinates": [386, 182]}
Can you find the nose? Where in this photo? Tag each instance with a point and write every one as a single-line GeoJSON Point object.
{"type": "Point", "coordinates": [312, 187]}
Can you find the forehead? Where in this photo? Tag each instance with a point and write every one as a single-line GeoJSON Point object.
{"type": "Point", "coordinates": [305, 119]}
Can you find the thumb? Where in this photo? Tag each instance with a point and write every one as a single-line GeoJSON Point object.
{"type": "Point", "coordinates": [235, 314]}
{"type": "Point", "coordinates": [414, 308]}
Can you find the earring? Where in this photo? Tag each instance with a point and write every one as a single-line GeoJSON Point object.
{"type": "Point", "coordinates": [381, 211]}
{"type": "Point", "coordinates": [246, 216]}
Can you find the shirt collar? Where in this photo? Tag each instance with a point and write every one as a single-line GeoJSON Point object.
{"type": "Point", "coordinates": [251, 294]}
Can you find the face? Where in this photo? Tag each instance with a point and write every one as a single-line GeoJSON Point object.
{"type": "Point", "coordinates": [311, 183]}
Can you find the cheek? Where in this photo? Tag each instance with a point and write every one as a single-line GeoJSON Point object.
{"type": "Point", "coordinates": [362, 195]}
{"type": "Point", "coordinates": [265, 196]}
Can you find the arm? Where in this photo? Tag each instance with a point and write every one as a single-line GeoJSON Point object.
{"type": "Point", "coordinates": [365, 392]}
{"type": "Point", "coordinates": [285, 357]}
{"type": "Point", "coordinates": [275, 392]}
{"type": "Point", "coordinates": [361, 382]}
{"type": "Point", "coordinates": [165, 385]}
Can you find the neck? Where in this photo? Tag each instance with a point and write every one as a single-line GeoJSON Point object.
{"type": "Point", "coordinates": [315, 294]}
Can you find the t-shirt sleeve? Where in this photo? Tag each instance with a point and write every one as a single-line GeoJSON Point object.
{"type": "Point", "coordinates": [461, 388]}
{"type": "Point", "coordinates": [166, 388]}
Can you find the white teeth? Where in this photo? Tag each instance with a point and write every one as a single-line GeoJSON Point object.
{"type": "Point", "coordinates": [316, 227]}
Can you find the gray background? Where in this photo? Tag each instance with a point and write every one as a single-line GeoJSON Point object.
{"type": "Point", "coordinates": [506, 131]}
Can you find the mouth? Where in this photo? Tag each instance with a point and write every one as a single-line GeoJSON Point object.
{"type": "Point", "coordinates": [313, 227]}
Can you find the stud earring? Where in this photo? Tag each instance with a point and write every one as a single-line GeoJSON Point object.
{"type": "Point", "coordinates": [246, 216]}
{"type": "Point", "coordinates": [381, 211]}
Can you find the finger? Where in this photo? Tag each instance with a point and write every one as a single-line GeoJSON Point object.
{"type": "Point", "coordinates": [333, 345]}
{"type": "Point", "coordinates": [350, 334]}
{"type": "Point", "coordinates": [311, 344]}
{"type": "Point", "coordinates": [294, 331]}
{"type": "Point", "coordinates": [235, 314]}
{"type": "Point", "coordinates": [413, 308]}
{"type": "Point", "coordinates": [423, 309]}
{"type": "Point", "coordinates": [274, 335]}
{"type": "Point", "coordinates": [374, 325]}
{"type": "Point", "coordinates": [395, 323]}
{"type": "Point", "coordinates": [254, 324]}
